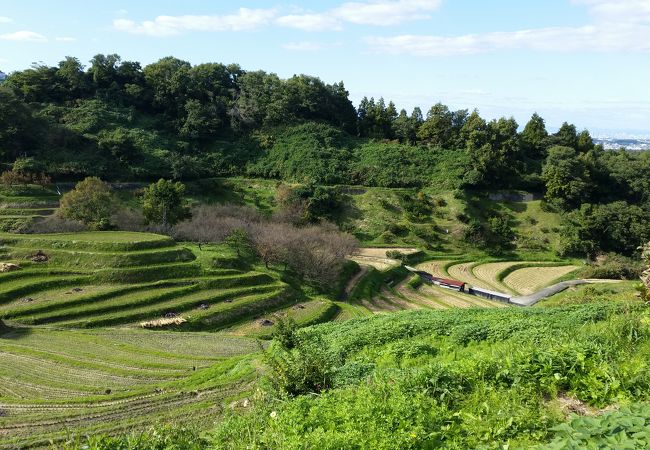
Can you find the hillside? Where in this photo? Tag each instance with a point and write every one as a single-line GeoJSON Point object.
{"type": "Point", "coordinates": [203, 256]}
{"type": "Point", "coordinates": [133, 309]}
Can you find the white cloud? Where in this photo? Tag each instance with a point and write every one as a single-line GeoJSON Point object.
{"type": "Point", "coordinates": [385, 12]}
{"type": "Point", "coordinates": [308, 46]}
{"type": "Point", "coordinates": [310, 22]}
{"type": "Point", "coordinates": [24, 36]}
{"type": "Point", "coordinates": [374, 12]}
{"type": "Point", "coordinates": [65, 39]}
{"type": "Point", "coordinates": [622, 25]}
{"type": "Point", "coordinates": [244, 19]}
{"type": "Point", "coordinates": [4, 19]}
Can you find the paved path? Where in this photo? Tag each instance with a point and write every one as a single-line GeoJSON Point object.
{"type": "Point", "coordinates": [530, 300]}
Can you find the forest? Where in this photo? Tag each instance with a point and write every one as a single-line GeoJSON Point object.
{"type": "Point", "coordinates": [121, 121]}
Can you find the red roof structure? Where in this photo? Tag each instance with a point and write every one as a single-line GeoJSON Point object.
{"type": "Point", "coordinates": [448, 282]}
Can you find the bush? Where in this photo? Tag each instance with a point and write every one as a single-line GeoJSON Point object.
{"type": "Point", "coordinates": [91, 202]}
{"type": "Point", "coordinates": [614, 266]}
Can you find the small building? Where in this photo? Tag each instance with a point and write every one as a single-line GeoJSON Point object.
{"type": "Point", "coordinates": [442, 282]}
{"type": "Point", "coordinates": [450, 284]}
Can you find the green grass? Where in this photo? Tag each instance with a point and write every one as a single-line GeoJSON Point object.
{"type": "Point", "coordinates": [303, 313]}
{"type": "Point", "coordinates": [55, 382]}
{"type": "Point", "coordinates": [587, 293]}
{"type": "Point", "coordinates": [448, 379]}
{"type": "Point", "coordinates": [100, 279]}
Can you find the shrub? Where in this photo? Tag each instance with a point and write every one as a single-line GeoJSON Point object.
{"type": "Point", "coordinates": [613, 266]}
{"type": "Point", "coordinates": [91, 202]}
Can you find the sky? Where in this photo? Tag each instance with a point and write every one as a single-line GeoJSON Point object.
{"type": "Point", "coordinates": [582, 61]}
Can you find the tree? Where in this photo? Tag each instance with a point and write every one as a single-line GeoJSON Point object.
{"type": "Point", "coordinates": [534, 138]}
{"type": "Point", "coordinates": [163, 203]}
{"type": "Point", "coordinates": [566, 136]}
{"type": "Point", "coordinates": [239, 241]}
{"type": "Point", "coordinates": [612, 227]}
{"type": "Point", "coordinates": [493, 149]}
{"type": "Point", "coordinates": [584, 142]}
{"type": "Point", "coordinates": [18, 129]}
{"type": "Point", "coordinates": [566, 178]}
{"type": "Point", "coordinates": [437, 130]}
{"type": "Point", "coordinates": [91, 202]}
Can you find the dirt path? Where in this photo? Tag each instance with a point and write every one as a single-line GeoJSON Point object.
{"type": "Point", "coordinates": [354, 281]}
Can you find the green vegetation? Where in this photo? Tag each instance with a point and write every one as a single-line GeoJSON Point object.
{"type": "Point", "coordinates": [458, 379]}
{"type": "Point", "coordinates": [91, 202]}
{"type": "Point", "coordinates": [134, 339]}
{"type": "Point", "coordinates": [120, 278]}
{"type": "Point", "coordinates": [110, 381]}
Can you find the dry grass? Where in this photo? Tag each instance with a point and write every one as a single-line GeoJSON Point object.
{"type": "Point", "coordinates": [529, 280]}
{"type": "Point", "coordinates": [163, 322]}
{"type": "Point", "coordinates": [489, 272]}
{"type": "Point", "coordinates": [435, 268]}
{"type": "Point", "coordinates": [376, 262]}
{"type": "Point", "coordinates": [377, 252]}
{"type": "Point", "coordinates": [463, 272]}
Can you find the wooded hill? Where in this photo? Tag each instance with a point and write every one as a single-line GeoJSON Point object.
{"type": "Point", "coordinates": [120, 121]}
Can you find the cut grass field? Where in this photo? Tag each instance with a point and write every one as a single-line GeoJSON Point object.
{"type": "Point", "coordinates": [529, 280]}
{"type": "Point", "coordinates": [55, 382]}
{"type": "Point", "coordinates": [510, 277]}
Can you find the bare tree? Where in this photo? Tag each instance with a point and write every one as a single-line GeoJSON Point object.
{"type": "Point", "coordinates": [316, 253]}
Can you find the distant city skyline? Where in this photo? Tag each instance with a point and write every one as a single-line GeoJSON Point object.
{"type": "Point", "coordinates": [581, 61]}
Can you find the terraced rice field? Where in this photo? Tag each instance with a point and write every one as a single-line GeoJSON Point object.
{"type": "Point", "coordinates": [402, 297]}
{"type": "Point", "coordinates": [487, 275]}
{"type": "Point", "coordinates": [464, 272]}
{"type": "Point", "coordinates": [59, 382]}
{"type": "Point", "coordinates": [304, 313]}
{"type": "Point", "coordinates": [17, 210]}
{"type": "Point", "coordinates": [122, 279]}
{"type": "Point", "coordinates": [82, 377]}
{"type": "Point", "coordinates": [435, 268]}
{"type": "Point", "coordinates": [376, 257]}
{"type": "Point", "coordinates": [531, 279]}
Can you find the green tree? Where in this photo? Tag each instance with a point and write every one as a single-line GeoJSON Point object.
{"type": "Point", "coordinates": [566, 136]}
{"type": "Point", "coordinates": [438, 129]}
{"type": "Point", "coordinates": [612, 227]}
{"type": "Point", "coordinates": [18, 129]}
{"type": "Point", "coordinates": [163, 203]}
{"type": "Point", "coordinates": [91, 202]}
{"type": "Point", "coordinates": [584, 143]}
{"type": "Point", "coordinates": [239, 241]}
{"type": "Point", "coordinates": [534, 138]}
{"type": "Point", "coordinates": [566, 178]}
{"type": "Point", "coordinates": [493, 149]}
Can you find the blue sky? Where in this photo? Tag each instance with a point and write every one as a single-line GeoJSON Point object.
{"type": "Point", "coordinates": [585, 61]}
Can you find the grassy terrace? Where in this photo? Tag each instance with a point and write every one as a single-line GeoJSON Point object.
{"type": "Point", "coordinates": [54, 381]}
{"type": "Point", "coordinates": [97, 279]}
{"type": "Point", "coordinates": [82, 378]}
